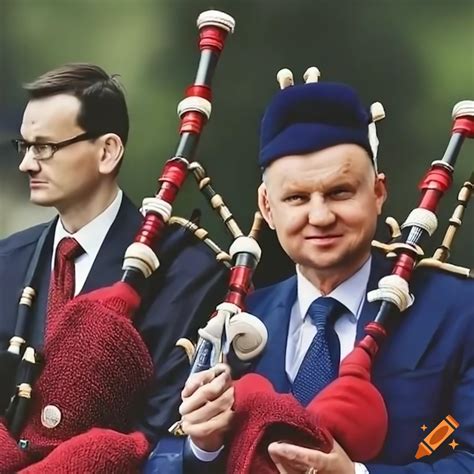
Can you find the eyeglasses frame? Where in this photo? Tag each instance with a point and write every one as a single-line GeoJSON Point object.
{"type": "Point", "coordinates": [55, 146]}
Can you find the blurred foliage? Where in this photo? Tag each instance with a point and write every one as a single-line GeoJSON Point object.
{"type": "Point", "coordinates": [415, 56]}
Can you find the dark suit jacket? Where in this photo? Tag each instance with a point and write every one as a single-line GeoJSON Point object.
{"type": "Point", "coordinates": [178, 299]}
{"type": "Point", "coordinates": [425, 371]}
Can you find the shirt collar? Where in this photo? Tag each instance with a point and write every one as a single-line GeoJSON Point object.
{"type": "Point", "coordinates": [92, 235]}
{"type": "Point", "coordinates": [351, 292]}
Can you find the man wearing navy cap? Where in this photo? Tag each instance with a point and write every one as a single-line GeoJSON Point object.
{"type": "Point", "coordinates": [322, 194]}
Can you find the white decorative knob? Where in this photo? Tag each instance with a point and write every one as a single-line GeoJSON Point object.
{"type": "Point", "coordinates": [312, 74]}
{"type": "Point", "coordinates": [285, 78]}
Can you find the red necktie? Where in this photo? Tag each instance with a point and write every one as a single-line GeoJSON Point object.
{"type": "Point", "coordinates": [61, 287]}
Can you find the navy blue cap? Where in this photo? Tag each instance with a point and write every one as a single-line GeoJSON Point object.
{"type": "Point", "coordinates": [310, 117]}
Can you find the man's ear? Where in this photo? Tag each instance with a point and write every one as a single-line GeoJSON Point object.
{"type": "Point", "coordinates": [112, 152]}
{"type": "Point", "coordinates": [380, 190]}
{"type": "Point", "coordinates": [264, 205]}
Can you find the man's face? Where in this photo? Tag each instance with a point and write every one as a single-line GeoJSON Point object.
{"type": "Point", "coordinates": [324, 207]}
{"type": "Point", "coordinates": [72, 175]}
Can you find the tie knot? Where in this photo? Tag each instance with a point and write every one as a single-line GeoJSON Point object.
{"type": "Point", "coordinates": [69, 249]}
{"type": "Point", "coordinates": [324, 310]}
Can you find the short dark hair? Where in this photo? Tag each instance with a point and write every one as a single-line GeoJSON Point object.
{"type": "Point", "coordinates": [103, 106]}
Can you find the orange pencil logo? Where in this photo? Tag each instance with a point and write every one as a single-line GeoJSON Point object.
{"type": "Point", "coordinates": [436, 437]}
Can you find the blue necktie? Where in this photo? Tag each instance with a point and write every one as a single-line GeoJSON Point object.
{"type": "Point", "coordinates": [320, 365]}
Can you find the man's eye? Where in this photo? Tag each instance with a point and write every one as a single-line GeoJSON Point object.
{"type": "Point", "coordinates": [294, 198]}
{"type": "Point", "coordinates": [39, 148]}
{"type": "Point", "coordinates": [341, 193]}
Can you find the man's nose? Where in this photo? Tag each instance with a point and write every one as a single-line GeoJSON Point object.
{"type": "Point", "coordinates": [28, 163]}
{"type": "Point", "coordinates": [320, 213]}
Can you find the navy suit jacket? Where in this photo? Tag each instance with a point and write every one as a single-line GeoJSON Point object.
{"type": "Point", "coordinates": [177, 300]}
{"type": "Point", "coordinates": [425, 371]}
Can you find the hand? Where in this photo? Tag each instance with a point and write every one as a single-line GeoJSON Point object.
{"type": "Point", "coordinates": [206, 409]}
{"type": "Point", "coordinates": [291, 459]}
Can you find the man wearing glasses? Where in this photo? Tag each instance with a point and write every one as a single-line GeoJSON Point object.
{"type": "Point", "coordinates": [73, 136]}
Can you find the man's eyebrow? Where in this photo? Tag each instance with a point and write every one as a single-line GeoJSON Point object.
{"type": "Point", "coordinates": [341, 180]}
{"type": "Point", "coordinates": [333, 182]}
{"type": "Point", "coordinates": [38, 139]}
{"type": "Point", "coordinates": [341, 183]}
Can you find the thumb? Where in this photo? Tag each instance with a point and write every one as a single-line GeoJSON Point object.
{"type": "Point", "coordinates": [277, 457]}
{"type": "Point", "coordinates": [297, 457]}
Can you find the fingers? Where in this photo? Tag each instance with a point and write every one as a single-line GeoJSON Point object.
{"type": "Point", "coordinates": [336, 447]}
{"type": "Point", "coordinates": [281, 463]}
{"type": "Point", "coordinates": [208, 429]}
{"type": "Point", "coordinates": [210, 409]}
{"type": "Point", "coordinates": [285, 458]}
{"type": "Point", "coordinates": [295, 458]}
{"type": "Point", "coordinates": [202, 378]}
{"type": "Point", "coordinates": [206, 409]}
{"type": "Point", "coordinates": [208, 392]}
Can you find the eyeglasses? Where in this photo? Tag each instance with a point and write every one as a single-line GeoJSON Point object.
{"type": "Point", "coordinates": [46, 150]}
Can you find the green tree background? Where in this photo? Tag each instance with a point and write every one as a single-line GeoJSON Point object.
{"type": "Point", "coordinates": [415, 56]}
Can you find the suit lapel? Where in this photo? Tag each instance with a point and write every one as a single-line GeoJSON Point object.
{"type": "Point", "coordinates": [42, 283]}
{"type": "Point", "coordinates": [276, 319]}
{"type": "Point", "coordinates": [15, 267]}
{"type": "Point", "coordinates": [414, 328]}
{"type": "Point", "coordinates": [107, 267]}
{"type": "Point", "coordinates": [380, 267]}
{"type": "Point", "coordinates": [12, 273]}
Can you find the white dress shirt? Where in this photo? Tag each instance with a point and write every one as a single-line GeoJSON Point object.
{"type": "Point", "coordinates": [90, 237]}
{"type": "Point", "coordinates": [301, 331]}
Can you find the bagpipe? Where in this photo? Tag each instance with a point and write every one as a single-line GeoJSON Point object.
{"type": "Point", "coordinates": [229, 332]}
{"type": "Point", "coordinates": [96, 364]}
{"type": "Point", "coordinates": [351, 409]}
